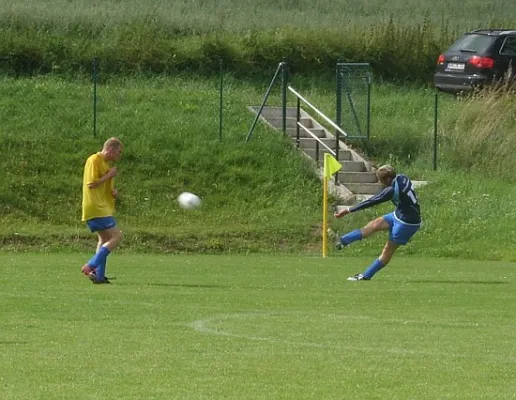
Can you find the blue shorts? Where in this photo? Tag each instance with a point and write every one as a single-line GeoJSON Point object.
{"type": "Point", "coordinates": [101, 224]}
{"type": "Point", "coordinates": [400, 232]}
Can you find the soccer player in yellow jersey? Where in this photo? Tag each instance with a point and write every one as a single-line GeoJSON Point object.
{"type": "Point", "coordinates": [98, 206]}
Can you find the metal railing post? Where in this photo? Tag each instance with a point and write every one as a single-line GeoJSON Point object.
{"type": "Point", "coordinates": [284, 84]}
{"type": "Point", "coordinates": [298, 118]}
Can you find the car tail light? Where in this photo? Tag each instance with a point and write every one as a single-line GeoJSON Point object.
{"type": "Point", "coordinates": [482, 62]}
{"type": "Point", "coordinates": [440, 60]}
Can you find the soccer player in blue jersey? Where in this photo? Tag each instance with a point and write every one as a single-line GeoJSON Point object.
{"type": "Point", "coordinates": [402, 224]}
{"type": "Point", "coordinates": [98, 206]}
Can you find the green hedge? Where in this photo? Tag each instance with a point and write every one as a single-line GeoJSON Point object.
{"type": "Point", "coordinates": [399, 53]}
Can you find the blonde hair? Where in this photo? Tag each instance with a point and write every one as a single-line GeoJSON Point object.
{"type": "Point", "coordinates": [386, 174]}
{"type": "Point", "coordinates": [112, 143]}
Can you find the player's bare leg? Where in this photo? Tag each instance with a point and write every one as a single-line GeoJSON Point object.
{"type": "Point", "coordinates": [96, 267]}
{"type": "Point", "coordinates": [376, 225]}
{"type": "Point", "coordinates": [103, 237]}
{"type": "Point", "coordinates": [387, 252]}
{"type": "Point", "coordinates": [386, 256]}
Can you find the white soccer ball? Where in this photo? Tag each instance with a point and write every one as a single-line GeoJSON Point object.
{"type": "Point", "coordinates": [189, 201]}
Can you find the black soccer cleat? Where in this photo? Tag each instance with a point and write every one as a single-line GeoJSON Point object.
{"type": "Point", "coordinates": [101, 281]}
{"type": "Point", "coordinates": [96, 280]}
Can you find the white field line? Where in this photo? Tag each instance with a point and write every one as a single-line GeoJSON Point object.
{"type": "Point", "coordinates": [203, 326]}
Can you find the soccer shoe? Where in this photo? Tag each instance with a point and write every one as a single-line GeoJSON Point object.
{"type": "Point", "coordinates": [336, 238]}
{"type": "Point", "coordinates": [358, 277]}
{"type": "Point", "coordinates": [101, 281]}
{"type": "Point", "coordinates": [96, 280]}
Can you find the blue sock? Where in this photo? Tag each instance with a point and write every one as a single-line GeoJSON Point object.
{"type": "Point", "coordinates": [100, 258]}
{"type": "Point", "coordinates": [351, 237]}
{"type": "Point", "coordinates": [100, 271]}
{"type": "Point", "coordinates": [376, 266]}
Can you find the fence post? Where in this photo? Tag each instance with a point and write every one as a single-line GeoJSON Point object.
{"type": "Point", "coordinates": [94, 78]}
{"type": "Point", "coordinates": [368, 110]}
{"type": "Point", "coordinates": [436, 106]}
{"type": "Point", "coordinates": [338, 102]}
{"type": "Point", "coordinates": [220, 98]}
{"type": "Point", "coordinates": [338, 119]}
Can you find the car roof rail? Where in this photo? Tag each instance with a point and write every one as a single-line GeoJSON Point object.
{"type": "Point", "coordinates": [500, 31]}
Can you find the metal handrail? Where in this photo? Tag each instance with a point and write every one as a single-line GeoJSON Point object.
{"type": "Point", "coordinates": [317, 144]}
{"type": "Point", "coordinates": [329, 121]}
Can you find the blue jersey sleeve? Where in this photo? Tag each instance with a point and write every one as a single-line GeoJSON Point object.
{"type": "Point", "coordinates": [385, 195]}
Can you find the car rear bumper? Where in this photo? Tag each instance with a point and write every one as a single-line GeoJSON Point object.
{"type": "Point", "coordinates": [458, 83]}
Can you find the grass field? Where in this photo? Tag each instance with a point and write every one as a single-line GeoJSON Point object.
{"type": "Point", "coordinates": [256, 327]}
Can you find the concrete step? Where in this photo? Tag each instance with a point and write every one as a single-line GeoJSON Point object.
{"type": "Point", "coordinates": [310, 143]}
{"type": "Point", "coordinates": [357, 198]}
{"type": "Point", "coordinates": [363, 188]}
{"type": "Point", "coordinates": [277, 122]}
{"type": "Point", "coordinates": [276, 112]}
{"type": "Point", "coordinates": [344, 155]}
{"type": "Point", "coordinates": [352, 166]}
{"type": "Point", "coordinates": [320, 133]}
{"type": "Point", "coordinates": [356, 177]}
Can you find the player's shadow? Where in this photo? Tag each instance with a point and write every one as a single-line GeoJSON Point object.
{"type": "Point", "coordinates": [187, 285]}
{"type": "Point", "coordinates": [184, 285]}
{"type": "Point", "coordinates": [458, 282]}
{"type": "Point", "coordinates": [7, 342]}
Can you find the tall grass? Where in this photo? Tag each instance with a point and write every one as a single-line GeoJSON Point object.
{"type": "Point", "coordinates": [401, 43]}
{"type": "Point", "coordinates": [244, 15]}
{"type": "Point", "coordinates": [481, 135]}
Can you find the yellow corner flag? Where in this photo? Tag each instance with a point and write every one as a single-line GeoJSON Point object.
{"type": "Point", "coordinates": [331, 166]}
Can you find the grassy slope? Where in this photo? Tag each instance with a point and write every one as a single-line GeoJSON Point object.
{"type": "Point", "coordinates": [170, 128]}
{"type": "Point", "coordinates": [259, 196]}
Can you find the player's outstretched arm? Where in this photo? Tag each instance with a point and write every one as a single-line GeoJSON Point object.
{"type": "Point", "coordinates": [342, 212]}
{"type": "Point", "coordinates": [385, 195]}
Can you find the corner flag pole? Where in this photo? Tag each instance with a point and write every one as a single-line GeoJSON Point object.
{"type": "Point", "coordinates": [325, 217]}
{"type": "Point", "coordinates": [331, 166]}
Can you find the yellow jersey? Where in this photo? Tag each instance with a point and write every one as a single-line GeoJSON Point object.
{"type": "Point", "coordinates": [99, 201]}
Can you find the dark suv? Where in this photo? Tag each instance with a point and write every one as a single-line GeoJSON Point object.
{"type": "Point", "coordinates": [478, 58]}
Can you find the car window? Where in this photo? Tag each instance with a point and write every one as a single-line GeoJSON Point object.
{"type": "Point", "coordinates": [473, 43]}
{"type": "Point", "coordinates": [509, 46]}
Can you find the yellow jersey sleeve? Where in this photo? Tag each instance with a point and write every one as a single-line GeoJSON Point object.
{"type": "Point", "coordinates": [99, 201]}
